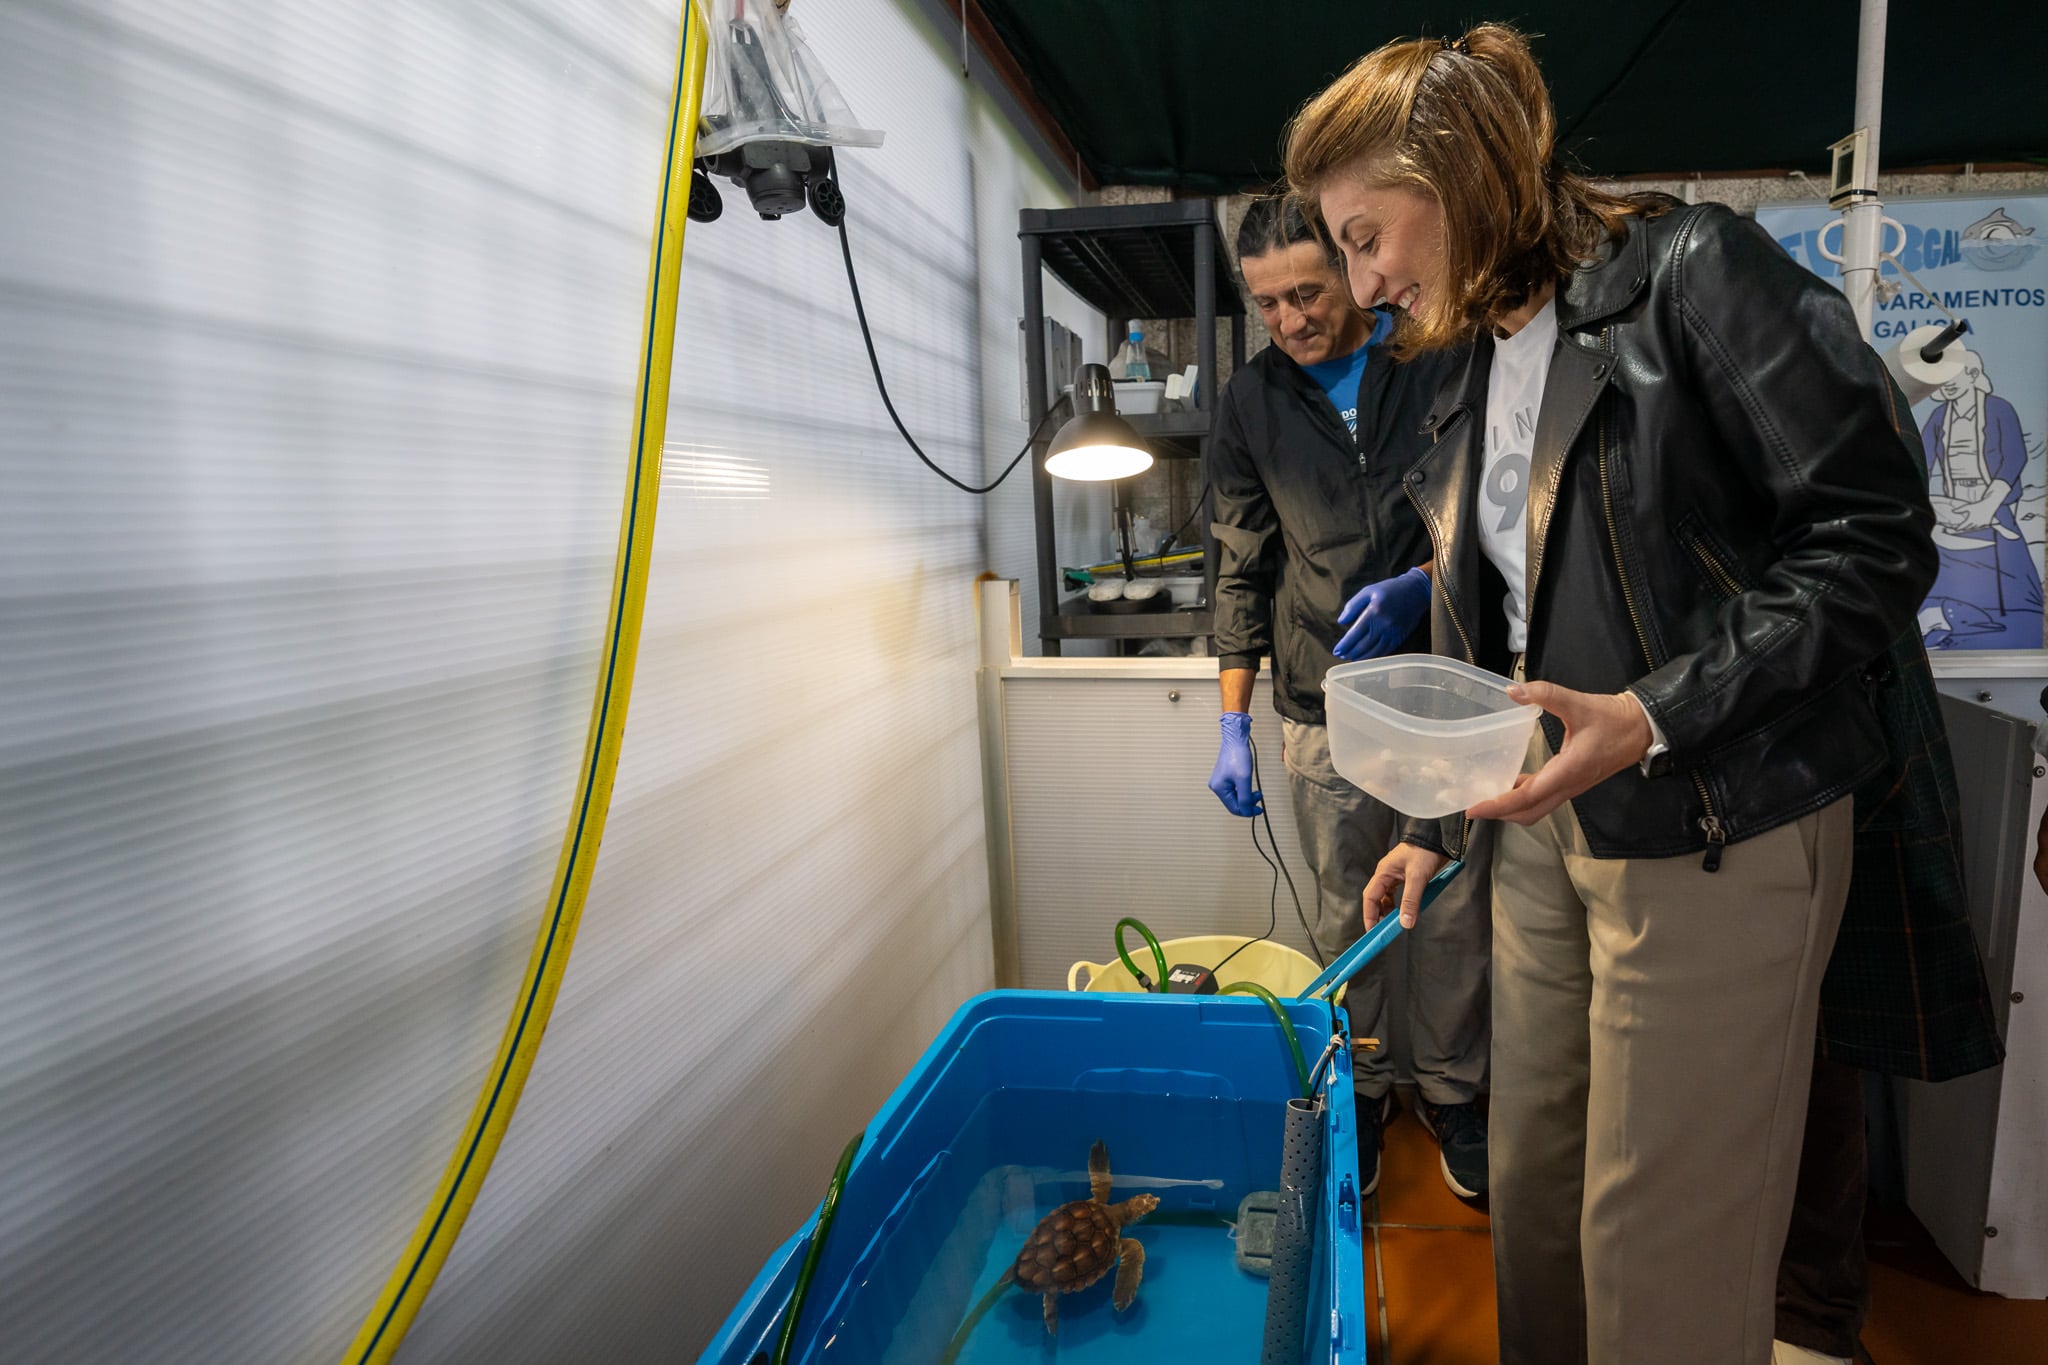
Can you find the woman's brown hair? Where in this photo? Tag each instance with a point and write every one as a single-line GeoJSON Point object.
{"type": "Point", "coordinates": [1470, 124]}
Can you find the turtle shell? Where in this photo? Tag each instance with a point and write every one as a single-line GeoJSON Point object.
{"type": "Point", "coordinates": [1071, 1248]}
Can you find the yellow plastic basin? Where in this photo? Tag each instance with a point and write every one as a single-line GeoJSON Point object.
{"type": "Point", "coordinates": [1277, 967]}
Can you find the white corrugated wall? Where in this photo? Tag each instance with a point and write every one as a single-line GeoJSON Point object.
{"type": "Point", "coordinates": [318, 329]}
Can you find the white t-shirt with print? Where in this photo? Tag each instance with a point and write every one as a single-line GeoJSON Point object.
{"type": "Point", "coordinates": [1514, 395]}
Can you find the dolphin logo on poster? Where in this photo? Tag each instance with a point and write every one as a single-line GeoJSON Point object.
{"type": "Point", "coordinates": [1998, 241]}
{"type": "Point", "coordinates": [1979, 260]}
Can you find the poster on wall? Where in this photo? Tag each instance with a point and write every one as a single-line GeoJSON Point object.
{"type": "Point", "coordinates": [1979, 259]}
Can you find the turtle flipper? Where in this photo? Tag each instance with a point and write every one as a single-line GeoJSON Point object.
{"type": "Point", "coordinates": [1052, 1315]}
{"type": "Point", "coordinates": [1098, 1172]}
{"type": "Point", "coordinates": [988, 1301]}
{"type": "Point", "coordinates": [1130, 1268]}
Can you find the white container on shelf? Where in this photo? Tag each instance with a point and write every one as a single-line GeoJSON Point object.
{"type": "Point", "coordinates": [1427, 735]}
{"type": "Point", "coordinates": [1139, 396]}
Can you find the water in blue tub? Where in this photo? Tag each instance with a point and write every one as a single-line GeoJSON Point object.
{"type": "Point", "coordinates": [1022, 1154]}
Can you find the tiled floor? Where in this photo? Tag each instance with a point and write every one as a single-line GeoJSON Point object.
{"type": "Point", "coordinates": [1430, 1280]}
{"type": "Point", "coordinates": [1430, 1265]}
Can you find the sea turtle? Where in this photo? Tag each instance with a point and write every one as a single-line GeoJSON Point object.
{"type": "Point", "coordinates": [1071, 1248]}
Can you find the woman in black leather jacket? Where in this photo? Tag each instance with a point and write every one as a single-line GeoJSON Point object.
{"type": "Point", "coordinates": [1674, 489]}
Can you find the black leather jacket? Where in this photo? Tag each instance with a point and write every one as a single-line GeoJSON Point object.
{"type": "Point", "coordinates": [1306, 514]}
{"type": "Point", "coordinates": [1727, 515]}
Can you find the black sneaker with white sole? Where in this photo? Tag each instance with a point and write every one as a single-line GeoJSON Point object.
{"type": "Point", "coordinates": [1373, 1115]}
{"type": "Point", "coordinates": [1460, 1133]}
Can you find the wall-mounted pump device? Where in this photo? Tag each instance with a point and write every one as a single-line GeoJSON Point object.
{"type": "Point", "coordinates": [770, 123]}
{"type": "Point", "coordinates": [771, 117]}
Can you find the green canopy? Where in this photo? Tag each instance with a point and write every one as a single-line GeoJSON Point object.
{"type": "Point", "coordinates": [1196, 93]}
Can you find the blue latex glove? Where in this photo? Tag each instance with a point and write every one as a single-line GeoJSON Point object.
{"type": "Point", "coordinates": [1381, 615]}
{"type": "Point", "coordinates": [1232, 780]}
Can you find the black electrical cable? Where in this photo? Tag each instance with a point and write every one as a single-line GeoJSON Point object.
{"type": "Point", "coordinates": [853, 283]}
{"type": "Point", "coordinates": [1281, 863]}
{"type": "Point", "coordinates": [1279, 866]}
{"type": "Point", "coordinates": [1276, 862]}
{"type": "Point", "coordinates": [1201, 498]}
{"type": "Point", "coordinates": [1272, 908]}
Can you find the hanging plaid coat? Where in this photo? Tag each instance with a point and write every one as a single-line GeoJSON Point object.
{"type": "Point", "coordinates": [1905, 992]}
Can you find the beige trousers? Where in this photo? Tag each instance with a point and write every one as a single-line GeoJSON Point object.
{"type": "Point", "coordinates": [1653, 1031]}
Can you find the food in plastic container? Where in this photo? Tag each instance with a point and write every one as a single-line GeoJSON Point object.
{"type": "Point", "coordinates": [1427, 735]}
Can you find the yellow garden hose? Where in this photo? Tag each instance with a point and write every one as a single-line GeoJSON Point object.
{"type": "Point", "coordinates": [406, 1289]}
{"type": "Point", "coordinates": [1144, 562]}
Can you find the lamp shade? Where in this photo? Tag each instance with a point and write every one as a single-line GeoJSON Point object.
{"type": "Point", "coordinates": [1096, 444]}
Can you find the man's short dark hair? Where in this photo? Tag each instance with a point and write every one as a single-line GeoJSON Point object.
{"type": "Point", "coordinates": [1275, 222]}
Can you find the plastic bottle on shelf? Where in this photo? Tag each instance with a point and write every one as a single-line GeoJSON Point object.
{"type": "Point", "coordinates": [1130, 362]}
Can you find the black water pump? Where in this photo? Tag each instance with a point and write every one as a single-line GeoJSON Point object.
{"type": "Point", "coordinates": [779, 178]}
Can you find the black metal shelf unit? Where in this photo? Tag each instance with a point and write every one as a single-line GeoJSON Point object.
{"type": "Point", "coordinates": [1156, 261]}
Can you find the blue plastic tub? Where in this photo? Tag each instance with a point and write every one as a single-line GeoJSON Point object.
{"type": "Point", "coordinates": [991, 1130]}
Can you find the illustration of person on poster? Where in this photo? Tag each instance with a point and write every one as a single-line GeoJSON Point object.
{"type": "Point", "coordinates": [1977, 461]}
{"type": "Point", "coordinates": [1980, 260]}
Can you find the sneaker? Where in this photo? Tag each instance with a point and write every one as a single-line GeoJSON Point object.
{"type": "Point", "coordinates": [1460, 1133]}
{"type": "Point", "coordinates": [1372, 1122]}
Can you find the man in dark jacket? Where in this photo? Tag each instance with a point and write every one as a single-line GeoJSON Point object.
{"type": "Point", "coordinates": [1322, 559]}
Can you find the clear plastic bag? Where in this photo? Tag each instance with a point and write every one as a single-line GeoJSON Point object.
{"type": "Point", "coordinates": [762, 83]}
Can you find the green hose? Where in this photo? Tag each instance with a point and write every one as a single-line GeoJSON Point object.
{"type": "Point", "coordinates": [1235, 988]}
{"type": "Point", "coordinates": [1286, 1027]}
{"type": "Point", "coordinates": [826, 1213]}
{"type": "Point", "coordinates": [1158, 953]}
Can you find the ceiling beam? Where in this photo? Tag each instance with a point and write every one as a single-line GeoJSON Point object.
{"type": "Point", "coordinates": [996, 55]}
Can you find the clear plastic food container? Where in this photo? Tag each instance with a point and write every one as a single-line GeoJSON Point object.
{"type": "Point", "coordinates": [1425, 734]}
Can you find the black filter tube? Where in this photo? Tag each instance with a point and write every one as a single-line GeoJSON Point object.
{"type": "Point", "coordinates": [1301, 1183]}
